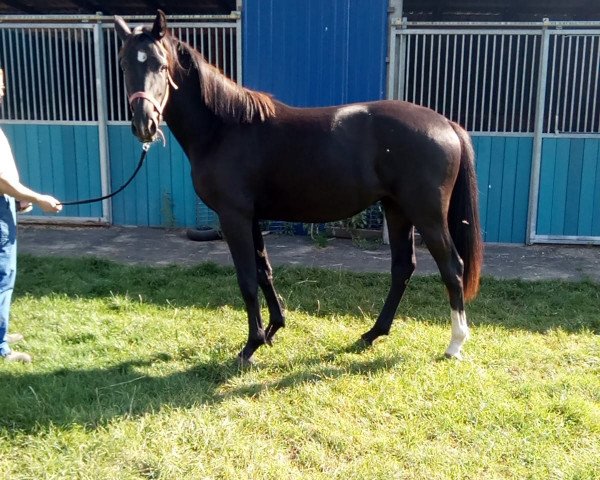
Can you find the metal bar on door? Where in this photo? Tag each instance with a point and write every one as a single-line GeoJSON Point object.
{"type": "Point", "coordinates": [596, 85]}
{"type": "Point", "coordinates": [238, 40]}
{"type": "Point", "coordinates": [100, 65]}
{"type": "Point", "coordinates": [537, 139]}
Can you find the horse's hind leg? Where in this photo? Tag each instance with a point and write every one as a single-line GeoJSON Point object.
{"type": "Point", "coordinates": [440, 244]}
{"type": "Point", "coordinates": [401, 234]}
{"type": "Point", "coordinates": [265, 280]}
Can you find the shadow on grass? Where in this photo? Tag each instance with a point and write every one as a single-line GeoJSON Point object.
{"type": "Point", "coordinates": [91, 399]}
{"type": "Point", "coordinates": [515, 304]}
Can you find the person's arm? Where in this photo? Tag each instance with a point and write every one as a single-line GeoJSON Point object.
{"type": "Point", "coordinates": [10, 184]}
{"type": "Point", "coordinates": [16, 189]}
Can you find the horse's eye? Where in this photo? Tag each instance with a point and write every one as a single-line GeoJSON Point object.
{"type": "Point", "coordinates": [163, 68]}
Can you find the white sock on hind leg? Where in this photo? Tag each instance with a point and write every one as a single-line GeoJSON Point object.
{"type": "Point", "coordinates": [460, 333]}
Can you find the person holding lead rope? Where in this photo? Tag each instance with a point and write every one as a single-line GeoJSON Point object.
{"type": "Point", "coordinates": [14, 196]}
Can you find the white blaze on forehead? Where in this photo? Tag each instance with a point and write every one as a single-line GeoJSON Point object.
{"type": "Point", "coordinates": [345, 112]}
{"type": "Point", "coordinates": [142, 56]}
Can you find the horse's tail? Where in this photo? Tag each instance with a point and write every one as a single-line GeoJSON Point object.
{"type": "Point", "coordinates": [463, 216]}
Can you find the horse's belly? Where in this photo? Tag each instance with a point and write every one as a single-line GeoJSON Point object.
{"type": "Point", "coordinates": [312, 204]}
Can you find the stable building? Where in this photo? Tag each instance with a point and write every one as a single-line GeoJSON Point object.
{"type": "Point", "coordinates": [522, 77]}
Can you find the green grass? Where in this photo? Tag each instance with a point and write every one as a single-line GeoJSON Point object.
{"type": "Point", "coordinates": [134, 378]}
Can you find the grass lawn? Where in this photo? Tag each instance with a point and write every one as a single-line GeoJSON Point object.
{"type": "Point", "coordinates": [134, 378]}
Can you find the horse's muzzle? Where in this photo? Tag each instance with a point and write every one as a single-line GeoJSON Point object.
{"type": "Point", "coordinates": [144, 123]}
{"type": "Point", "coordinates": [145, 131]}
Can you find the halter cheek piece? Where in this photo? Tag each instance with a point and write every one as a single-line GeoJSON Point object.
{"type": "Point", "coordinates": [158, 106]}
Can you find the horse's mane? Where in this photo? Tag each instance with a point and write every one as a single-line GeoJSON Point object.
{"type": "Point", "coordinates": [225, 98]}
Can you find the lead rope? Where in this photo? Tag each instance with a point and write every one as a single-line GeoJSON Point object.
{"type": "Point", "coordinates": [145, 147]}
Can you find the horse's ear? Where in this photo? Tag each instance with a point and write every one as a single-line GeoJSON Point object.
{"type": "Point", "coordinates": [159, 29]}
{"type": "Point", "coordinates": [123, 31]}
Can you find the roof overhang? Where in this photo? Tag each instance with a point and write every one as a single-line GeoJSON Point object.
{"type": "Point", "coordinates": [116, 7]}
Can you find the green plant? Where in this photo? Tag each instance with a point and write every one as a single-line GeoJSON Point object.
{"type": "Point", "coordinates": [317, 233]}
{"type": "Point", "coordinates": [356, 221]}
{"type": "Point", "coordinates": [366, 243]}
{"type": "Point", "coordinates": [288, 228]}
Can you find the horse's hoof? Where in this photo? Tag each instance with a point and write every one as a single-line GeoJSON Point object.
{"type": "Point", "coordinates": [244, 362]}
{"type": "Point", "coordinates": [367, 338]}
{"type": "Point", "coordinates": [453, 356]}
{"type": "Point", "coordinates": [359, 346]}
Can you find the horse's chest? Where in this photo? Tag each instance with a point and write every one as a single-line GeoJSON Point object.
{"type": "Point", "coordinates": [204, 185]}
{"type": "Point", "coordinates": [215, 184]}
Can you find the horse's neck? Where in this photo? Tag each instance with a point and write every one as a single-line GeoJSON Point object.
{"type": "Point", "coordinates": [190, 121]}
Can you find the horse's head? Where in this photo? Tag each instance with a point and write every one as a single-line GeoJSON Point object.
{"type": "Point", "coordinates": [145, 60]}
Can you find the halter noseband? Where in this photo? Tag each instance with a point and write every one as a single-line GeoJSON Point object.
{"type": "Point", "coordinates": [158, 106]}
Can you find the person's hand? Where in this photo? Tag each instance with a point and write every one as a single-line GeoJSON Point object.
{"type": "Point", "coordinates": [23, 206]}
{"type": "Point", "coordinates": [49, 204]}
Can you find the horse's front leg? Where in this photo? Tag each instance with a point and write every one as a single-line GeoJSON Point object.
{"type": "Point", "coordinates": [265, 280]}
{"type": "Point", "coordinates": [237, 230]}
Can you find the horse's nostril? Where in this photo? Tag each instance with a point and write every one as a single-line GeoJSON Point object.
{"type": "Point", "coordinates": [141, 130]}
{"type": "Point", "coordinates": [152, 128]}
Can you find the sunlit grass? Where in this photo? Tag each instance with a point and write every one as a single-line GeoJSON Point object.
{"type": "Point", "coordinates": [134, 378]}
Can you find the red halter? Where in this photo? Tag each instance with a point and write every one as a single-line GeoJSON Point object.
{"type": "Point", "coordinates": [158, 106]}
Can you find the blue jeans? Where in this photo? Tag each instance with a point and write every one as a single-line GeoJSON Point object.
{"type": "Point", "coordinates": [8, 265]}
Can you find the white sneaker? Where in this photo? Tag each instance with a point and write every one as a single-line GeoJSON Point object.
{"type": "Point", "coordinates": [18, 357]}
{"type": "Point", "coordinates": [14, 338]}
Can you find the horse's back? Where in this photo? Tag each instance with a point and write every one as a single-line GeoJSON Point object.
{"type": "Point", "coordinates": [384, 126]}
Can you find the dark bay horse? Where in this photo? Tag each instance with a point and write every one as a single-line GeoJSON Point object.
{"type": "Point", "coordinates": [254, 158]}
